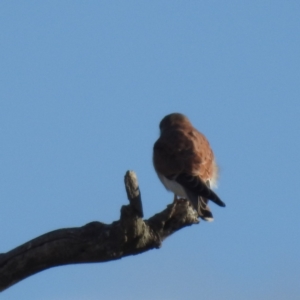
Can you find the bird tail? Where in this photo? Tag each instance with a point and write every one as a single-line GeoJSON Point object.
{"type": "Point", "coordinates": [204, 210]}
{"type": "Point", "coordinates": [200, 205]}
{"type": "Point", "coordinates": [195, 185]}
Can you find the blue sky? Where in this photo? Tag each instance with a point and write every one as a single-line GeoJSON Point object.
{"type": "Point", "coordinates": [84, 85]}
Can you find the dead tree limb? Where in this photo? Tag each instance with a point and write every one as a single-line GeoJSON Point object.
{"type": "Point", "coordinates": [96, 241]}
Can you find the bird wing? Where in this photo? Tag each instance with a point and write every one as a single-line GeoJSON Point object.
{"type": "Point", "coordinates": [172, 153]}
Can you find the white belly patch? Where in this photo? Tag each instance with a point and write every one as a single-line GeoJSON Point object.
{"type": "Point", "coordinates": [173, 186]}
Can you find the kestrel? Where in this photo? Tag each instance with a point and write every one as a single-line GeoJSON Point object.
{"type": "Point", "coordinates": [185, 163]}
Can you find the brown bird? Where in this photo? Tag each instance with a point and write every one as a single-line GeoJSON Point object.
{"type": "Point", "coordinates": [185, 163]}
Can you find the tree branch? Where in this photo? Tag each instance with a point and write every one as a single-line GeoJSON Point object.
{"type": "Point", "coordinates": [96, 241]}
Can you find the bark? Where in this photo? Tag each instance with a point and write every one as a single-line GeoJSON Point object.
{"type": "Point", "coordinates": [96, 241]}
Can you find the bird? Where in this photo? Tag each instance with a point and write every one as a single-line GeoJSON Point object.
{"type": "Point", "coordinates": [185, 163]}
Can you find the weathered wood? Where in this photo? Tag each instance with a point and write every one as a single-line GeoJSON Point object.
{"type": "Point", "coordinates": [96, 241]}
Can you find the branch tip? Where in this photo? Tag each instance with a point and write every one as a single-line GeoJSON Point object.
{"type": "Point", "coordinates": [133, 193]}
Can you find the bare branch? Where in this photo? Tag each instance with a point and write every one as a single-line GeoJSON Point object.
{"type": "Point", "coordinates": [96, 241]}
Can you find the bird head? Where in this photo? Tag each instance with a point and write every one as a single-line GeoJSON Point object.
{"type": "Point", "coordinates": [173, 120]}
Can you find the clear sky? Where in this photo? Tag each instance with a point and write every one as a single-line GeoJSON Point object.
{"type": "Point", "coordinates": [83, 86]}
